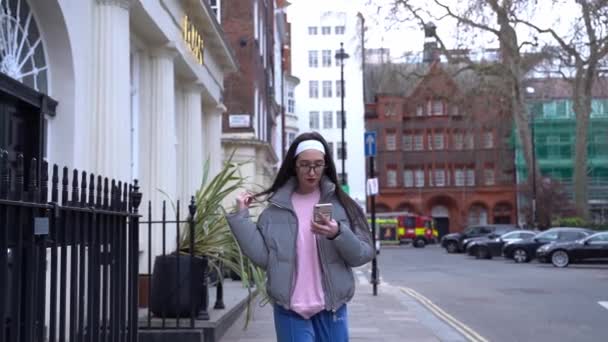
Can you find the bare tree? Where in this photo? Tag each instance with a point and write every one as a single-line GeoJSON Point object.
{"type": "Point", "coordinates": [582, 51]}
{"type": "Point", "coordinates": [489, 18]}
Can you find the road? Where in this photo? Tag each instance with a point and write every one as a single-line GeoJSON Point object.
{"type": "Point", "coordinates": [504, 301]}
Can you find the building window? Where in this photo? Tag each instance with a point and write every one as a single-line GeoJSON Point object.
{"type": "Point", "coordinates": [458, 141]}
{"type": "Point", "coordinates": [326, 30]}
{"type": "Point", "coordinates": [488, 139]}
{"type": "Point", "coordinates": [216, 8]}
{"type": "Point", "coordinates": [437, 107]}
{"type": "Point", "coordinates": [438, 141]}
{"type": "Point", "coordinates": [326, 88]}
{"type": "Point", "coordinates": [326, 58]}
{"type": "Point", "coordinates": [340, 150]}
{"type": "Point", "coordinates": [488, 175]}
{"type": "Point", "coordinates": [407, 142]}
{"type": "Point", "coordinates": [313, 59]}
{"type": "Point", "coordinates": [459, 177]}
{"type": "Point", "coordinates": [419, 178]}
{"type": "Point", "coordinates": [312, 30]}
{"type": "Point", "coordinates": [470, 177]}
{"type": "Point", "coordinates": [439, 179]}
{"type": "Point", "coordinates": [418, 142]}
{"type": "Point", "coordinates": [291, 136]}
{"type": "Point", "coordinates": [391, 142]}
{"type": "Point", "coordinates": [338, 89]}
{"type": "Point", "coordinates": [469, 141]}
{"type": "Point", "coordinates": [429, 141]}
{"type": "Point", "coordinates": [291, 103]}
{"type": "Point", "coordinates": [391, 178]}
{"type": "Point", "coordinates": [313, 89]}
{"type": "Point", "coordinates": [339, 30]}
{"type": "Point", "coordinates": [256, 28]}
{"type": "Point", "coordinates": [408, 178]}
{"type": "Point", "coordinates": [419, 110]}
{"type": "Point", "coordinates": [331, 148]}
{"type": "Point", "coordinates": [314, 120]}
{"type": "Point", "coordinates": [391, 109]}
{"type": "Point", "coordinates": [328, 119]}
{"type": "Point", "coordinates": [339, 117]}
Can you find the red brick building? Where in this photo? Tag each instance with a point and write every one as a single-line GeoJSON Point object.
{"type": "Point", "coordinates": [249, 27]}
{"type": "Point", "coordinates": [443, 144]}
{"type": "Point", "coordinates": [249, 122]}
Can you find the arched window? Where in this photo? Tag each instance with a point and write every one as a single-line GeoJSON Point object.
{"type": "Point", "coordinates": [22, 54]}
{"type": "Point", "coordinates": [478, 214]}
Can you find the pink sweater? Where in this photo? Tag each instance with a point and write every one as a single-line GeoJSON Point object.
{"type": "Point", "coordinates": [308, 298]}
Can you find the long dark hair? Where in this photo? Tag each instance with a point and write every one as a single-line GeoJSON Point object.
{"type": "Point", "coordinates": [288, 170]}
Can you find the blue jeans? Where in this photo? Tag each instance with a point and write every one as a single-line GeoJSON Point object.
{"type": "Point", "coordinates": [322, 327]}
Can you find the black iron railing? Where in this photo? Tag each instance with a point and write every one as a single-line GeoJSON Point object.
{"type": "Point", "coordinates": [68, 266]}
{"type": "Point", "coordinates": [177, 289]}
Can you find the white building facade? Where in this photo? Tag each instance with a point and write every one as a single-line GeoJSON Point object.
{"type": "Point", "coordinates": [318, 28]}
{"type": "Point", "coordinates": [139, 87]}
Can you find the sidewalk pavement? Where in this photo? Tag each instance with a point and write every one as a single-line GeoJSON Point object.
{"type": "Point", "coordinates": [392, 316]}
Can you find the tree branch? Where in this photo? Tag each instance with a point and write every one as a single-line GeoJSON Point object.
{"type": "Point", "coordinates": [465, 20]}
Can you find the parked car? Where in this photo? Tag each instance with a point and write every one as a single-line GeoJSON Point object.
{"type": "Point", "coordinates": [454, 242]}
{"type": "Point", "coordinates": [561, 254]}
{"type": "Point", "coordinates": [525, 250]}
{"type": "Point", "coordinates": [487, 248]}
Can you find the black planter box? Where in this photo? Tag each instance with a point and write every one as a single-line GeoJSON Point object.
{"type": "Point", "coordinates": [178, 293]}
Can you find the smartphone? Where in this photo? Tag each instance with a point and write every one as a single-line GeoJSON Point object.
{"type": "Point", "coordinates": [322, 209]}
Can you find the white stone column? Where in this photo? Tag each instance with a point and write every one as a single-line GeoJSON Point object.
{"type": "Point", "coordinates": [190, 146]}
{"type": "Point", "coordinates": [157, 144]}
{"type": "Point", "coordinates": [109, 126]}
{"type": "Point", "coordinates": [213, 138]}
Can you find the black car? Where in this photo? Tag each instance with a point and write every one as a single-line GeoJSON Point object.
{"type": "Point", "coordinates": [561, 254]}
{"type": "Point", "coordinates": [455, 242]}
{"type": "Point", "coordinates": [488, 248]}
{"type": "Point", "coordinates": [525, 250]}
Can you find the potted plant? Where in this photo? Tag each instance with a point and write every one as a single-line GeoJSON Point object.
{"type": "Point", "coordinates": [213, 245]}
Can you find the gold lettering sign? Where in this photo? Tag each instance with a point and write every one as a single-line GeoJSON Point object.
{"type": "Point", "coordinates": [193, 39]}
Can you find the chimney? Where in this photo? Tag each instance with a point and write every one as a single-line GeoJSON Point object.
{"type": "Point", "coordinates": [431, 51]}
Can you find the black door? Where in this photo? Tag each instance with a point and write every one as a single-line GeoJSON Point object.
{"type": "Point", "coordinates": [443, 225]}
{"type": "Point", "coordinates": [22, 115]}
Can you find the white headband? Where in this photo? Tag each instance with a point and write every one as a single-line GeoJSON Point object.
{"type": "Point", "coordinates": [310, 145]}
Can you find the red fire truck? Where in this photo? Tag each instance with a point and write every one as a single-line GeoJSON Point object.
{"type": "Point", "coordinates": [419, 230]}
{"type": "Point", "coordinates": [406, 228]}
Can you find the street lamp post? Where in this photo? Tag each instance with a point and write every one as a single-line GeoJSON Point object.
{"type": "Point", "coordinates": [532, 124]}
{"type": "Point", "coordinates": [534, 215]}
{"type": "Point", "coordinates": [341, 55]}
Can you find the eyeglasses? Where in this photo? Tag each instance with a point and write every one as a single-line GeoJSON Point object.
{"type": "Point", "coordinates": [317, 168]}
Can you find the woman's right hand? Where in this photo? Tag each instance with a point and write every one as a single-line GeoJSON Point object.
{"type": "Point", "coordinates": [243, 200]}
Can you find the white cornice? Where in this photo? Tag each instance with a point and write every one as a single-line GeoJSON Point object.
{"type": "Point", "coordinates": [126, 4]}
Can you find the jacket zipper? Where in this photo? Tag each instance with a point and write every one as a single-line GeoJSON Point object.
{"type": "Point", "coordinates": [326, 278]}
{"type": "Point", "coordinates": [295, 246]}
{"type": "Point", "coordinates": [324, 268]}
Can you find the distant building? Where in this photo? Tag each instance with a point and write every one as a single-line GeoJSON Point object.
{"type": "Point", "coordinates": [250, 98]}
{"type": "Point", "coordinates": [318, 27]}
{"type": "Point", "coordinates": [550, 103]}
{"type": "Point", "coordinates": [377, 55]}
{"type": "Point", "coordinates": [443, 144]}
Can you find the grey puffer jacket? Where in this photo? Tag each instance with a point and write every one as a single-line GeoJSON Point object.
{"type": "Point", "coordinates": [271, 245]}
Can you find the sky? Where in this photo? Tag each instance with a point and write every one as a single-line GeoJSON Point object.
{"type": "Point", "coordinates": [407, 35]}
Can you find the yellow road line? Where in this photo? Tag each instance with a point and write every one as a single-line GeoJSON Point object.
{"type": "Point", "coordinates": [467, 332]}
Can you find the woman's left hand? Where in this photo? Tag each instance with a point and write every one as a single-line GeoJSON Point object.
{"type": "Point", "coordinates": [328, 228]}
